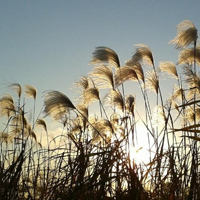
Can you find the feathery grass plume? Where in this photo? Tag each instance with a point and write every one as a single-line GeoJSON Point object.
{"type": "Point", "coordinates": [32, 134]}
{"type": "Point", "coordinates": [41, 123]}
{"type": "Point", "coordinates": [103, 77]}
{"type": "Point", "coordinates": [105, 55]}
{"type": "Point", "coordinates": [168, 67]}
{"type": "Point", "coordinates": [103, 127]}
{"type": "Point", "coordinates": [177, 94]}
{"type": "Point", "coordinates": [152, 81]}
{"type": "Point", "coordinates": [138, 69]}
{"type": "Point", "coordinates": [186, 34]}
{"type": "Point", "coordinates": [190, 115]}
{"type": "Point", "coordinates": [96, 137]}
{"type": "Point", "coordinates": [76, 125]}
{"type": "Point", "coordinates": [83, 83]}
{"type": "Point", "coordinates": [19, 120]}
{"type": "Point", "coordinates": [174, 105]}
{"type": "Point", "coordinates": [82, 115]}
{"type": "Point", "coordinates": [30, 91]}
{"type": "Point", "coordinates": [130, 104]}
{"type": "Point", "coordinates": [186, 56]}
{"type": "Point", "coordinates": [115, 118]}
{"type": "Point", "coordinates": [90, 95]}
{"type": "Point", "coordinates": [193, 81]}
{"type": "Point", "coordinates": [123, 74]}
{"type": "Point", "coordinates": [16, 88]}
{"type": "Point", "coordinates": [143, 53]}
{"type": "Point", "coordinates": [158, 115]}
{"type": "Point", "coordinates": [57, 104]}
{"type": "Point", "coordinates": [20, 126]}
{"type": "Point", "coordinates": [196, 89]}
{"type": "Point", "coordinates": [7, 106]}
{"type": "Point", "coordinates": [4, 137]}
{"type": "Point", "coordinates": [114, 98]}
{"type": "Point", "coordinates": [83, 109]}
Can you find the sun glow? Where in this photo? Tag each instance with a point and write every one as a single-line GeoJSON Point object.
{"type": "Point", "coordinates": [139, 152]}
{"type": "Point", "coordinates": [139, 155]}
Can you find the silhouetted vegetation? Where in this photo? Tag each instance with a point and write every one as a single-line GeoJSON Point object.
{"type": "Point", "coordinates": [90, 158]}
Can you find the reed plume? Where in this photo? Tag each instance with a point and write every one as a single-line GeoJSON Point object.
{"type": "Point", "coordinates": [83, 83]}
{"type": "Point", "coordinates": [114, 98]}
{"type": "Point", "coordinates": [143, 53]}
{"type": "Point", "coordinates": [30, 91]}
{"type": "Point", "coordinates": [186, 34]}
{"type": "Point", "coordinates": [103, 77]}
{"type": "Point", "coordinates": [104, 128]}
{"type": "Point", "coordinates": [90, 95]}
{"type": "Point", "coordinates": [193, 81]}
{"type": "Point", "coordinates": [130, 104]}
{"type": "Point", "coordinates": [138, 69]}
{"type": "Point", "coordinates": [57, 104]}
{"type": "Point", "coordinates": [186, 56]}
{"type": "Point", "coordinates": [16, 88]}
{"type": "Point", "coordinates": [7, 106]}
{"type": "Point", "coordinates": [169, 67]}
{"type": "Point", "coordinates": [123, 74]}
{"type": "Point", "coordinates": [152, 81]}
{"type": "Point", "coordinates": [105, 55]}
{"type": "Point", "coordinates": [41, 123]}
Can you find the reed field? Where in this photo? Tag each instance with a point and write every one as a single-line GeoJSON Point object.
{"type": "Point", "coordinates": [92, 156]}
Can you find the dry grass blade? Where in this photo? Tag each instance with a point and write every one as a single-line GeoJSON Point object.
{"type": "Point", "coordinates": [105, 55]}
{"type": "Point", "coordinates": [143, 53]}
{"type": "Point", "coordinates": [123, 74]}
{"type": "Point", "coordinates": [30, 91]}
{"type": "Point", "coordinates": [103, 76]}
{"type": "Point", "coordinates": [57, 104]}
{"type": "Point", "coordinates": [186, 34]}
{"type": "Point", "coordinates": [17, 88]}
{"type": "Point", "coordinates": [169, 67]}
{"type": "Point", "coordinates": [193, 137]}
{"type": "Point", "coordinates": [71, 136]}
{"type": "Point", "coordinates": [188, 128]}
{"type": "Point", "coordinates": [190, 103]}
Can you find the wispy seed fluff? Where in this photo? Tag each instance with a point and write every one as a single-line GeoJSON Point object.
{"type": "Point", "coordinates": [186, 34]}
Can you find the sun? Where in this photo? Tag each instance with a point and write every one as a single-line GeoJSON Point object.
{"type": "Point", "coordinates": [139, 152]}
{"type": "Point", "coordinates": [139, 155]}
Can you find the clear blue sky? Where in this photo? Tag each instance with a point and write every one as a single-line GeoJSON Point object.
{"type": "Point", "coordinates": [48, 43]}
